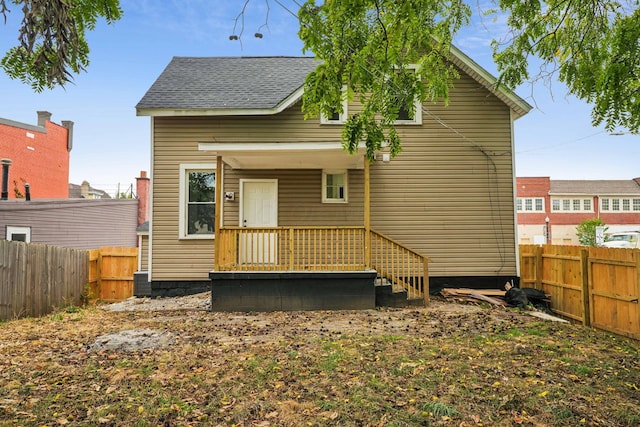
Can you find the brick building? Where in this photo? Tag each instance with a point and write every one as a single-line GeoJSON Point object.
{"type": "Point", "coordinates": [39, 156]}
{"type": "Point", "coordinates": [550, 210]}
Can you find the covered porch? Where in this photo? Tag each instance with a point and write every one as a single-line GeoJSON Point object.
{"type": "Point", "coordinates": [298, 264]}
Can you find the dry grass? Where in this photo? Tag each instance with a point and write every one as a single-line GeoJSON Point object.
{"type": "Point", "coordinates": [448, 364]}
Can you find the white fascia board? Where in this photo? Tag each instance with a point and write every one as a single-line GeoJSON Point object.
{"type": "Point", "coordinates": [221, 147]}
{"type": "Point", "coordinates": [489, 81]}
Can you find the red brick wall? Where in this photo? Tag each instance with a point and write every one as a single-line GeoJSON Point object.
{"type": "Point", "coordinates": [534, 187]}
{"type": "Point", "coordinates": [39, 158]}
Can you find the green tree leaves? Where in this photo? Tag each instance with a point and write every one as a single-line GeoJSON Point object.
{"type": "Point", "coordinates": [586, 231]}
{"type": "Point", "coordinates": [368, 46]}
{"type": "Point", "coordinates": [593, 46]}
{"type": "Point", "coordinates": [52, 43]}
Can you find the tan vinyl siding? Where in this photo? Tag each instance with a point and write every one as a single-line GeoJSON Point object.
{"type": "Point", "coordinates": [449, 194]}
{"type": "Point", "coordinates": [176, 142]}
{"type": "Point", "coordinates": [300, 198]}
{"type": "Point", "coordinates": [144, 252]}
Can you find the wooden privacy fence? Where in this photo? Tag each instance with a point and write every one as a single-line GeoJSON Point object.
{"type": "Point", "coordinates": [111, 273]}
{"type": "Point", "coordinates": [598, 286]}
{"type": "Point", "coordinates": [36, 278]}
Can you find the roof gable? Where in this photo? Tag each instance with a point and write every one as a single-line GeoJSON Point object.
{"type": "Point", "coordinates": [261, 85]}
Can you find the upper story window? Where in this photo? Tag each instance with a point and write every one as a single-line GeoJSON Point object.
{"type": "Point", "coordinates": [620, 204]}
{"type": "Point", "coordinates": [197, 201]}
{"type": "Point", "coordinates": [571, 205]}
{"type": "Point", "coordinates": [530, 204]}
{"type": "Point", "coordinates": [405, 115]}
{"type": "Point", "coordinates": [334, 186]}
{"type": "Point", "coordinates": [337, 117]}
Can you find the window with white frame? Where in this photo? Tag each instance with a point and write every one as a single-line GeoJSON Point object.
{"type": "Point", "coordinates": [197, 201]}
{"type": "Point", "coordinates": [337, 117]}
{"type": "Point", "coordinates": [408, 116]}
{"type": "Point", "coordinates": [334, 186]}
{"type": "Point", "coordinates": [619, 204]}
{"type": "Point", "coordinates": [530, 204]}
{"type": "Point", "coordinates": [571, 205]}
{"type": "Point", "coordinates": [18, 234]}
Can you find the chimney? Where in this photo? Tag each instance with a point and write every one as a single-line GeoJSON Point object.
{"type": "Point", "coordinates": [142, 190]}
{"type": "Point", "coordinates": [5, 178]}
{"type": "Point", "coordinates": [27, 191]}
{"type": "Point", "coordinates": [84, 190]}
{"type": "Point", "coordinates": [43, 118]}
{"type": "Point", "coordinates": [68, 124]}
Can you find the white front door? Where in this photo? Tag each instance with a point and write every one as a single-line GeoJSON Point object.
{"type": "Point", "coordinates": [259, 203]}
{"type": "Point", "coordinates": [259, 208]}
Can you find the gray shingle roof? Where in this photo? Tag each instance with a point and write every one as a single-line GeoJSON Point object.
{"type": "Point", "coordinates": [598, 187]}
{"type": "Point", "coordinates": [214, 83]}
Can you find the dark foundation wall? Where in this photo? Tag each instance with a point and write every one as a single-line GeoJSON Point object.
{"type": "Point", "coordinates": [292, 291]}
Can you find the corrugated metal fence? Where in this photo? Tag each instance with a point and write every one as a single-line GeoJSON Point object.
{"type": "Point", "coordinates": [598, 286]}
{"type": "Point", "coordinates": [37, 278]}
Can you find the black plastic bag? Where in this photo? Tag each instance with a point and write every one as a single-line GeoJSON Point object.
{"type": "Point", "coordinates": [516, 297]}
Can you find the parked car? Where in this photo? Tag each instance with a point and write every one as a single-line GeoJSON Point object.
{"type": "Point", "coordinates": [627, 239]}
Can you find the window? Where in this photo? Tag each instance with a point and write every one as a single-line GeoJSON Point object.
{"type": "Point", "coordinates": [334, 187]}
{"type": "Point", "coordinates": [406, 117]}
{"type": "Point", "coordinates": [19, 234]}
{"type": "Point", "coordinates": [615, 204]}
{"type": "Point", "coordinates": [530, 204]}
{"type": "Point", "coordinates": [336, 118]}
{"type": "Point", "coordinates": [571, 205]}
{"type": "Point", "coordinates": [197, 201]}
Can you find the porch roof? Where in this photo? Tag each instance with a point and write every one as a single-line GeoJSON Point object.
{"type": "Point", "coordinates": [286, 155]}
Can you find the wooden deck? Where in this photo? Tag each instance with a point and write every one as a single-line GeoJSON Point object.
{"type": "Point", "coordinates": [321, 249]}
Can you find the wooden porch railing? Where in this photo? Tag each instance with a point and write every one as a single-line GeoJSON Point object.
{"type": "Point", "coordinates": [291, 248]}
{"type": "Point", "coordinates": [322, 249]}
{"type": "Point", "coordinates": [402, 267]}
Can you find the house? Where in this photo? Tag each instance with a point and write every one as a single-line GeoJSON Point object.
{"type": "Point", "coordinates": [77, 223]}
{"type": "Point", "coordinates": [38, 155]}
{"type": "Point", "coordinates": [249, 194]}
{"type": "Point", "coordinates": [86, 191]}
{"type": "Point", "coordinates": [550, 210]}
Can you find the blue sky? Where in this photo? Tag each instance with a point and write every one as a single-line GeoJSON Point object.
{"type": "Point", "coordinates": [111, 144]}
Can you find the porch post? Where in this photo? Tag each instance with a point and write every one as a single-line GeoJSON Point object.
{"type": "Point", "coordinates": [217, 219]}
{"type": "Point", "coordinates": [367, 215]}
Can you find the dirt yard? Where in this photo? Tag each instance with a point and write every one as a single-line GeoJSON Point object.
{"type": "Point", "coordinates": [171, 362]}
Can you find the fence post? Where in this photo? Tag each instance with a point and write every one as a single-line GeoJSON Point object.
{"type": "Point", "coordinates": [538, 256]}
{"type": "Point", "coordinates": [586, 289]}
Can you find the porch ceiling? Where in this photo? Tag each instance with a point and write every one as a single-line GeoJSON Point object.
{"type": "Point", "coordinates": [285, 155]}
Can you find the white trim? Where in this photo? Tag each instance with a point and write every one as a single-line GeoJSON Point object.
{"type": "Point", "coordinates": [182, 191]}
{"type": "Point", "coordinates": [224, 147]}
{"type": "Point", "coordinates": [417, 114]}
{"type": "Point", "coordinates": [343, 172]}
{"type": "Point", "coordinates": [342, 117]}
{"type": "Point", "coordinates": [514, 190]}
{"type": "Point", "coordinates": [151, 184]}
{"type": "Point", "coordinates": [15, 229]}
{"type": "Point", "coordinates": [242, 182]}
